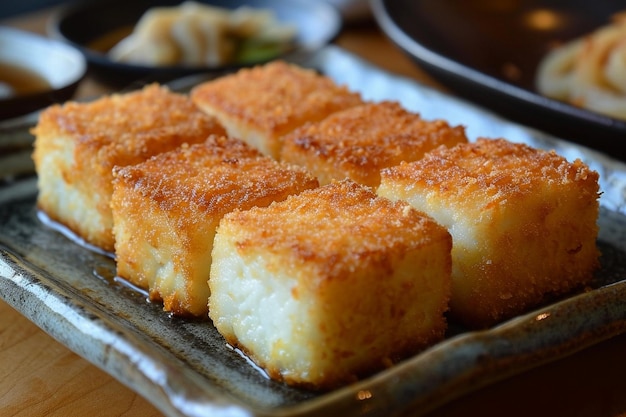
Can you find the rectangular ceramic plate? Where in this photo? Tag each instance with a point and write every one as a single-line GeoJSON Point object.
{"type": "Point", "coordinates": [185, 368]}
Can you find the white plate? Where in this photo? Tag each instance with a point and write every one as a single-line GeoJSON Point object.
{"type": "Point", "coordinates": [184, 367]}
{"type": "Point", "coordinates": [60, 65]}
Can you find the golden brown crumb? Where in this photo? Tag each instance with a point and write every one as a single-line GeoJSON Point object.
{"type": "Point", "coordinates": [166, 210]}
{"type": "Point", "coordinates": [523, 222]}
{"type": "Point", "coordinates": [358, 142]}
{"type": "Point", "coordinates": [331, 284]}
{"type": "Point", "coordinates": [78, 144]}
{"type": "Point", "coordinates": [261, 104]}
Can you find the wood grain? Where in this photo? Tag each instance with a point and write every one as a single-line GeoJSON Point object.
{"type": "Point", "coordinates": [41, 377]}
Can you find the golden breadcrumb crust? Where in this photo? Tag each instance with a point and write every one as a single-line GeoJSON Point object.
{"type": "Point", "coordinates": [320, 227]}
{"type": "Point", "coordinates": [523, 221]}
{"type": "Point", "coordinates": [261, 104]}
{"type": "Point", "coordinates": [166, 210]}
{"type": "Point", "coordinates": [492, 171]}
{"type": "Point", "coordinates": [369, 279]}
{"type": "Point", "coordinates": [115, 130]}
{"type": "Point", "coordinates": [122, 129]}
{"type": "Point", "coordinates": [358, 142]}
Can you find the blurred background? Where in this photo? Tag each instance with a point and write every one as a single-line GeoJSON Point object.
{"type": "Point", "coordinates": [12, 8]}
{"type": "Point", "coordinates": [351, 9]}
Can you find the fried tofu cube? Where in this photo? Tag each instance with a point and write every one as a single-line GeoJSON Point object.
{"type": "Point", "coordinates": [358, 142]}
{"type": "Point", "coordinates": [166, 209]}
{"type": "Point", "coordinates": [78, 144]}
{"type": "Point", "coordinates": [331, 284]}
{"type": "Point", "coordinates": [261, 104]}
{"type": "Point", "coordinates": [523, 223]}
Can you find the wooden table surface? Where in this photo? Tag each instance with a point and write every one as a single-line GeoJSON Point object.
{"type": "Point", "coordinates": [40, 377]}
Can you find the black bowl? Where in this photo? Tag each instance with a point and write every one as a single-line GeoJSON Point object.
{"type": "Point", "coordinates": [487, 52]}
{"type": "Point", "coordinates": [80, 24]}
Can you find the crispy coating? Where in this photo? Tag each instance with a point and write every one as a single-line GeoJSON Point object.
{"type": "Point", "coordinates": [78, 144]}
{"type": "Point", "coordinates": [260, 105]}
{"type": "Point", "coordinates": [331, 284]}
{"type": "Point", "coordinates": [166, 210]}
{"type": "Point", "coordinates": [523, 222]}
{"type": "Point", "coordinates": [358, 142]}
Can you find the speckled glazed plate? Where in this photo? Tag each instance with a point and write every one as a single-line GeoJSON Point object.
{"type": "Point", "coordinates": [184, 367]}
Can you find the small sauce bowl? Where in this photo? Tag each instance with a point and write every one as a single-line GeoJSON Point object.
{"type": "Point", "coordinates": [36, 72]}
